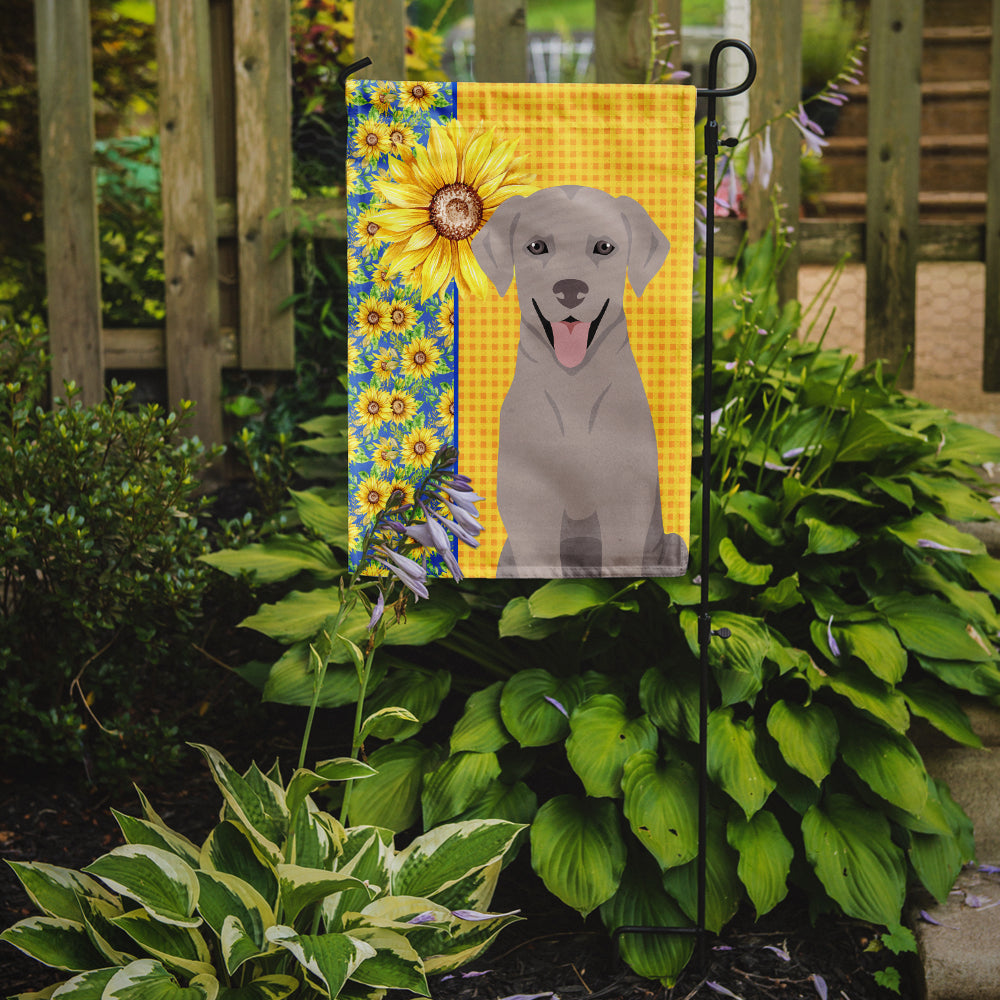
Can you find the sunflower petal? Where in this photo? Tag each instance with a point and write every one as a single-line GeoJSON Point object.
{"type": "Point", "coordinates": [436, 268]}
{"type": "Point", "coordinates": [472, 274]}
{"type": "Point", "coordinates": [442, 155]}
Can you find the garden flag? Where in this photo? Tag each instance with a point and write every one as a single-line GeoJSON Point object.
{"type": "Point", "coordinates": [520, 267]}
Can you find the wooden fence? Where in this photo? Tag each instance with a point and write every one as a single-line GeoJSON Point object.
{"type": "Point", "coordinates": [226, 161]}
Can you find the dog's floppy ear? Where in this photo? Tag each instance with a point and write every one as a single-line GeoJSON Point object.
{"type": "Point", "coordinates": [493, 245]}
{"type": "Point", "coordinates": [648, 247]}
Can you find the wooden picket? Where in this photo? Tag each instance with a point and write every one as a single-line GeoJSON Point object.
{"type": "Point", "coordinates": [226, 161]}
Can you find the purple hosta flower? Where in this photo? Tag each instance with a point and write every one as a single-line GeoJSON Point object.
{"type": "Point", "coordinates": [780, 952]}
{"type": "Point", "coordinates": [427, 917]}
{"type": "Point", "coordinates": [927, 543]}
{"type": "Point", "coordinates": [464, 499]}
{"type": "Point", "coordinates": [927, 918]}
{"type": "Point", "coordinates": [408, 571]}
{"type": "Point", "coordinates": [990, 869]}
{"type": "Point", "coordinates": [811, 132]}
{"type": "Point", "coordinates": [834, 648]}
{"type": "Point", "coordinates": [820, 984]}
{"type": "Point", "coordinates": [465, 975]}
{"type": "Point", "coordinates": [760, 165]}
{"type": "Point", "coordinates": [531, 996]}
{"type": "Point", "coordinates": [431, 535]}
{"type": "Point", "coordinates": [728, 194]}
{"type": "Point", "coordinates": [456, 529]}
{"type": "Point", "coordinates": [377, 612]}
{"type": "Point", "coordinates": [475, 915]}
{"type": "Point", "coordinates": [558, 705]}
{"type": "Point", "coordinates": [719, 988]}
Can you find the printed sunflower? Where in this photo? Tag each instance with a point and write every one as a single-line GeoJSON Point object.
{"type": "Point", "coordinates": [386, 454]}
{"type": "Point", "coordinates": [439, 200]}
{"type": "Point", "coordinates": [374, 316]}
{"type": "Point", "coordinates": [419, 446]}
{"type": "Point", "coordinates": [402, 315]}
{"type": "Point", "coordinates": [418, 96]}
{"type": "Point", "coordinates": [371, 139]}
{"type": "Point", "coordinates": [402, 139]}
{"type": "Point", "coordinates": [374, 407]}
{"type": "Point", "coordinates": [366, 228]}
{"type": "Point", "coordinates": [402, 406]}
{"type": "Point", "coordinates": [420, 358]}
{"type": "Point", "coordinates": [382, 98]}
{"type": "Point", "coordinates": [446, 408]}
{"type": "Point", "coordinates": [371, 496]}
{"type": "Point", "coordinates": [384, 364]}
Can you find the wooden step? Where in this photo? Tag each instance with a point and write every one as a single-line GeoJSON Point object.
{"type": "Point", "coordinates": [944, 104]}
{"type": "Point", "coordinates": [956, 53]}
{"type": "Point", "coordinates": [947, 162]}
{"type": "Point", "coordinates": [957, 206]}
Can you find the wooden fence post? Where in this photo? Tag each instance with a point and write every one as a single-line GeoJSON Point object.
{"type": "Point", "coordinates": [72, 255]}
{"type": "Point", "coordinates": [991, 333]}
{"type": "Point", "coordinates": [501, 41]}
{"type": "Point", "coordinates": [380, 34]}
{"type": "Point", "coordinates": [190, 251]}
{"type": "Point", "coordinates": [776, 35]}
{"type": "Point", "coordinates": [262, 62]}
{"type": "Point", "coordinates": [893, 183]}
{"type": "Point", "coordinates": [622, 40]}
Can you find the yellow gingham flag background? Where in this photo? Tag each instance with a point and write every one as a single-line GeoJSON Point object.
{"type": "Point", "coordinates": [635, 140]}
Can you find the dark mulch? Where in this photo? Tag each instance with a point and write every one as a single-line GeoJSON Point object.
{"type": "Point", "coordinates": [551, 951]}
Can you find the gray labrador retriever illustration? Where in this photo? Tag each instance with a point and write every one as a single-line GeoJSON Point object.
{"type": "Point", "coordinates": [577, 476]}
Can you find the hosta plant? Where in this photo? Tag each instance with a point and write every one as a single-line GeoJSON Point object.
{"type": "Point", "coordinates": [855, 603]}
{"type": "Point", "coordinates": [279, 900]}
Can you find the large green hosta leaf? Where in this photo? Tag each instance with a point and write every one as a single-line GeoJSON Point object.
{"type": "Point", "coordinates": [642, 902]}
{"type": "Point", "coordinates": [481, 727]}
{"type": "Point", "coordinates": [850, 848]}
{"type": "Point", "coordinates": [671, 700]}
{"type": "Point", "coordinates": [739, 569]}
{"type": "Point", "coordinates": [418, 690]}
{"type": "Point", "coordinates": [456, 784]}
{"type": "Point", "coordinates": [602, 738]}
{"type": "Point", "coordinates": [55, 941]}
{"type": "Point", "coordinates": [941, 709]}
{"type": "Point", "coordinates": [558, 598]}
{"type": "Point", "coordinates": [807, 736]}
{"type": "Point", "coordinates": [723, 889]}
{"type": "Point", "coordinates": [578, 851]}
{"type": "Point", "coordinates": [391, 798]}
{"type": "Point", "coordinates": [888, 763]}
{"type": "Point", "coordinates": [327, 520]}
{"type": "Point", "coordinates": [661, 806]}
{"type": "Point", "coordinates": [932, 628]}
{"type": "Point", "coordinates": [876, 646]}
{"type": "Point", "coordinates": [278, 558]}
{"type": "Point", "coordinates": [927, 528]}
{"type": "Point", "coordinates": [56, 891]}
{"type": "Point", "coordinates": [535, 706]}
{"type": "Point", "coordinates": [147, 979]}
{"type": "Point", "coordinates": [738, 661]}
{"type": "Point", "coordinates": [765, 858]}
{"type": "Point", "coordinates": [732, 760]}
{"type": "Point", "coordinates": [330, 959]}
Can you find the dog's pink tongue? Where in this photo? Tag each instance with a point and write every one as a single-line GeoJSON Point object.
{"type": "Point", "coordinates": [570, 342]}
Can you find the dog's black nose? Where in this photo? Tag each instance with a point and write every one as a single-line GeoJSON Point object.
{"type": "Point", "coordinates": [570, 291]}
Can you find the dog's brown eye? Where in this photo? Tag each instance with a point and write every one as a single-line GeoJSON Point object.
{"type": "Point", "coordinates": [604, 247]}
{"type": "Point", "coordinates": [537, 248]}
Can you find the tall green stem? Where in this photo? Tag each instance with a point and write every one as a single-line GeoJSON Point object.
{"type": "Point", "coordinates": [357, 738]}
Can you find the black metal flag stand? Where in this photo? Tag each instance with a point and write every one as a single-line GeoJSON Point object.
{"type": "Point", "coordinates": [705, 631]}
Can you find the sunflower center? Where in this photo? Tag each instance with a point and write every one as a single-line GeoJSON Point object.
{"type": "Point", "coordinates": [418, 92]}
{"type": "Point", "coordinates": [373, 318]}
{"type": "Point", "coordinates": [396, 138]}
{"type": "Point", "coordinates": [372, 228]}
{"type": "Point", "coordinates": [398, 316]}
{"type": "Point", "coordinates": [419, 358]}
{"type": "Point", "coordinates": [373, 407]}
{"type": "Point", "coordinates": [398, 406]}
{"type": "Point", "coordinates": [374, 496]}
{"type": "Point", "coordinates": [371, 138]}
{"type": "Point", "coordinates": [456, 211]}
{"type": "Point", "coordinates": [419, 448]}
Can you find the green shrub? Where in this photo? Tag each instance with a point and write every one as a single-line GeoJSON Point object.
{"type": "Point", "coordinates": [99, 541]}
{"type": "Point", "coordinates": [279, 900]}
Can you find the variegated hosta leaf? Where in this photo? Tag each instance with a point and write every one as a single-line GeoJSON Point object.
{"type": "Point", "coordinates": [225, 897]}
{"type": "Point", "coordinates": [229, 848]}
{"type": "Point", "coordinates": [661, 799]}
{"type": "Point", "coordinates": [315, 838]}
{"type": "Point", "coordinates": [56, 891]}
{"type": "Point", "coordinates": [642, 902]}
{"type": "Point", "coordinates": [535, 706]}
{"type": "Point", "coordinates": [475, 891]}
{"type": "Point", "coordinates": [391, 799]}
{"type": "Point", "coordinates": [87, 986]}
{"type": "Point", "coordinates": [765, 858]}
{"type": "Point", "coordinates": [147, 979]}
{"type": "Point", "coordinates": [888, 763]}
{"type": "Point", "coordinates": [850, 847]}
{"type": "Point", "coordinates": [395, 964]}
{"type": "Point", "coordinates": [441, 857]}
{"type": "Point", "coordinates": [177, 947]}
{"type": "Point", "coordinates": [602, 737]}
{"type": "Point", "coordinates": [116, 946]}
{"type": "Point", "coordinates": [274, 987]}
{"type": "Point", "coordinates": [481, 727]}
{"type": "Point", "coordinates": [328, 959]}
{"type": "Point", "coordinates": [141, 831]}
{"type": "Point", "coordinates": [578, 851]}
{"type": "Point", "coordinates": [456, 784]}
{"type": "Point", "coordinates": [732, 760]}
{"type": "Point", "coordinates": [304, 782]}
{"type": "Point", "coordinates": [300, 887]}
{"type": "Point", "coordinates": [256, 801]}
{"type": "Point", "coordinates": [158, 880]}
{"type": "Point", "coordinates": [54, 941]}
{"type": "Point", "coordinates": [367, 853]}
{"type": "Point", "coordinates": [807, 736]}
{"type": "Point", "coordinates": [723, 889]}
{"type": "Point", "coordinates": [466, 941]}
